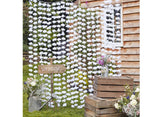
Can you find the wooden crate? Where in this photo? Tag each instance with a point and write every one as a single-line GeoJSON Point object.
{"type": "Point", "coordinates": [99, 107]}
{"type": "Point", "coordinates": [111, 87]}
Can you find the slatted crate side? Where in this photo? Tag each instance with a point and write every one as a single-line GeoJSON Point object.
{"type": "Point", "coordinates": [113, 80]}
{"type": "Point", "coordinates": [89, 113]}
{"type": "Point", "coordinates": [99, 102]}
{"type": "Point", "coordinates": [109, 95]}
{"type": "Point", "coordinates": [101, 111]}
{"type": "Point", "coordinates": [109, 87]}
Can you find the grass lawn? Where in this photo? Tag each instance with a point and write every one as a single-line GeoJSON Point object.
{"type": "Point", "coordinates": [48, 112]}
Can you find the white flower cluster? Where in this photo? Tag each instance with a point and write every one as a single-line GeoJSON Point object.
{"type": "Point", "coordinates": [111, 34]}
{"type": "Point", "coordinates": [71, 35]}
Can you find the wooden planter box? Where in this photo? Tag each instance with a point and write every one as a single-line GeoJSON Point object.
{"type": "Point", "coordinates": [111, 87]}
{"type": "Point", "coordinates": [98, 107]}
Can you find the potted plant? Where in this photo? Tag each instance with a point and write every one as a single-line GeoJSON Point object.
{"type": "Point", "coordinates": [129, 104]}
{"type": "Point", "coordinates": [33, 89]}
{"type": "Point", "coordinates": [104, 61]}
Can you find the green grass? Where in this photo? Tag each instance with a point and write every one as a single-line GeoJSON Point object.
{"type": "Point", "coordinates": [46, 111]}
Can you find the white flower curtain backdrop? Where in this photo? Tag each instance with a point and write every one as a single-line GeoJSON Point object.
{"type": "Point", "coordinates": [74, 37]}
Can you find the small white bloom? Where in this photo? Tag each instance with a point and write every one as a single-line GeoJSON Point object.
{"type": "Point", "coordinates": [132, 97]}
{"type": "Point", "coordinates": [133, 102]}
{"type": "Point", "coordinates": [137, 89]}
{"type": "Point", "coordinates": [117, 106]}
{"type": "Point", "coordinates": [33, 83]}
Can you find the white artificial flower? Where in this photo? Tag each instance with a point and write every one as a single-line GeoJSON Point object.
{"type": "Point", "coordinates": [133, 102]}
{"type": "Point", "coordinates": [33, 83]}
{"type": "Point", "coordinates": [117, 106]}
{"type": "Point", "coordinates": [132, 97]}
{"type": "Point", "coordinates": [137, 89]}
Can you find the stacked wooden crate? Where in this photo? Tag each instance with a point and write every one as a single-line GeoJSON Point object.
{"type": "Point", "coordinates": [111, 87]}
{"type": "Point", "coordinates": [99, 107]}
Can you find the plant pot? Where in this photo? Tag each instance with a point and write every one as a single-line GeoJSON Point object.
{"type": "Point", "coordinates": [34, 103]}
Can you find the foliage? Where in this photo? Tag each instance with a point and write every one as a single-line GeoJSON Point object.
{"type": "Point", "coordinates": [25, 48]}
{"type": "Point", "coordinates": [33, 86]}
{"type": "Point", "coordinates": [25, 26]}
{"type": "Point", "coordinates": [129, 104]}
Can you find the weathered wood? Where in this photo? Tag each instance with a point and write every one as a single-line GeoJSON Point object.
{"type": "Point", "coordinates": [130, 64]}
{"type": "Point", "coordinates": [89, 113]}
{"type": "Point", "coordinates": [131, 44]}
{"type": "Point", "coordinates": [130, 71]}
{"type": "Point", "coordinates": [130, 51]}
{"type": "Point", "coordinates": [113, 80]}
{"type": "Point", "coordinates": [92, 4]}
{"type": "Point", "coordinates": [132, 76]}
{"type": "Point", "coordinates": [99, 107]}
{"type": "Point", "coordinates": [46, 69]}
{"type": "Point", "coordinates": [108, 88]}
{"type": "Point", "coordinates": [136, 82]}
{"type": "Point", "coordinates": [113, 1]}
{"type": "Point", "coordinates": [129, 1]}
{"type": "Point", "coordinates": [100, 111]}
{"type": "Point", "coordinates": [108, 94]}
{"type": "Point", "coordinates": [131, 30]}
{"type": "Point", "coordinates": [129, 58]}
{"type": "Point", "coordinates": [99, 102]}
{"type": "Point", "coordinates": [131, 24]}
{"type": "Point", "coordinates": [130, 10]}
{"type": "Point", "coordinates": [95, 3]}
{"type": "Point", "coordinates": [131, 4]}
{"type": "Point", "coordinates": [131, 17]}
{"type": "Point", "coordinates": [131, 37]}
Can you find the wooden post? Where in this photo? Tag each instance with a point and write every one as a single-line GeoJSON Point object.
{"type": "Point", "coordinates": [50, 69]}
{"type": "Point", "coordinates": [51, 62]}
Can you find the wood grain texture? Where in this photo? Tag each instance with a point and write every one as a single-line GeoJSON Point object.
{"type": "Point", "coordinates": [108, 88]}
{"type": "Point", "coordinates": [99, 102]}
{"type": "Point", "coordinates": [100, 111]}
{"type": "Point", "coordinates": [131, 30]}
{"type": "Point", "coordinates": [131, 44]}
{"type": "Point", "coordinates": [130, 65]}
{"type": "Point", "coordinates": [89, 113]}
{"type": "Point", "coordinates": [132, 76]}
{"type": "Point", "coordinates": [131, 17]}
{"type": "Point", "coordinates": [108, 94]}
{"type": "Point", "coordinates": [129, 58]}
{"type": "Point", "coordinates": [95, 3]}
{"type": "Point", "coordinates": [130, 4]}
{"type": "Point", "coordinates": [46, 69]}
{"type": "Point", "coordinates": [113, 1]}
{"type": "Point", "coordinates": [129, 1]}
{"type": "Point", "coordinates": [130, 51]}
{"type": "Point", "coordinates": [130, 71]}
{"type": "Point", "coordinates": [131, 24]}
{"type": "Point", "coordinates": [130, 10]}
{"type": "Point", "coordinates": [113, 80]}
{"type": "Point", "coordinates": [131, 37]}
